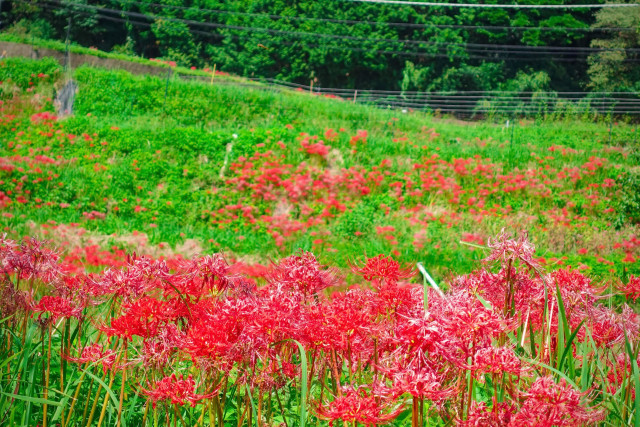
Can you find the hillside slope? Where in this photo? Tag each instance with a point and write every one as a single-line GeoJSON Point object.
{"type": "Point", "coordinates": [258, 173]}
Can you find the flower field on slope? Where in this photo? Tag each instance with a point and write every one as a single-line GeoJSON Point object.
{"type": "Point", "coordinates": [167, 338]}
{"type": "Point", "coordinates": [198, 343]}
{"type": "Point", "coordinates": [284, 182]}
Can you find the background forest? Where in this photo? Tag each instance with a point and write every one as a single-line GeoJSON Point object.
{"type": "Point", "coordinates": [358, 45]}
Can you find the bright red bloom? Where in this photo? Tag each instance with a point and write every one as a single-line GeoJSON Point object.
{"type": "Point", "coordinates": [31, 259]}
{"type": "Point", "coordinates": [96, 353]}
{"type": "Point", "coordinates": [632, 289]}
{"type": "Point", "coordinates": [178, 391]}
{"type": "Point", "coordinates": [145, 317]}
{"type": "Point", "coordinates": [508, 250]}
{"type": "Point", "coordinates": [302, 273]}
{"type": "Point", "coordinates": [202, 275]}
{"type": "Point", "coordinates": [383, 268]}
{"type": "Point", "coordinates": [550, 404]}
{"type": "Point", "coordinates": [422, 382]}
{"type": "Point", "coordinates": [492, 360]}
{"type": "Point", "coordinates": [465, 318]}
{"type": "Point", "coordinates": [610, 327]}
{"type": "Point", "coordinates": [58, 307]}
{"type": "Point", "coordinates": [359, 406]}
{"type": "Point", "coordinates": [481, 416]}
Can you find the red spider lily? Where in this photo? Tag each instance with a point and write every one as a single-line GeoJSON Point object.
{"type": "Point", "coordinates": [383, 268]}
{"type": "Point", "coordinates": [350, 319]}
{"type": "Point", "coordinates": [178, 391]}
{"type": "Point", "coordinates": [157, 350]}
{"type": "Point", "coordinates": [123, 283]}
{"type": "Point", "coordinates": [422, 335]}
{"type": "Point", "coordinates": [215, 338]}
{"type": "Point", "coordinates": [465, 318]}
{"type": "Point", "coordinates": [494, 287]}
{"type": "Point", "coordinates": [96, 353]}
{"type": "Point", "coordinates": [398, 299]}
{"type": "Point", "coordinates": [280, 317]}
{"type": "Point", "coordinates": [32, 259]}
{"type": "Point", "coordinates": [201, 275]}
{"type": "Point", "coordinates": [619, 371]}
{"type": "Point", "coordinates": [302, 273]}
{"type": "Point", "coordinates": [549, 404]}
{"type": "Point", "coordinates": [632, 289]}
{"type": "Point", "coordinates": [492, 360]}
{"type": "Point", "coordinates": [422, 382]}
{"type": "Point", "coordinates": [509, 250]}
{"type": "Point", "coordinates": [146, 316]}
{"type": "Point", "coordinates": [57, 307]}
{"type": "Point", "coordinates": [609, 327]}
{"type": "Point", "coordinates": [141, 275]}
{"type": "Point", "coordinates": [356, 405]}
{"type": "Point", "coordinates": [481, 416]}
{"type": "Point", "coordinates": [577, 290]}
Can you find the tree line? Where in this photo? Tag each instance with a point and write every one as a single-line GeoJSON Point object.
{"type": "Point", "coordinates": [335, 43]}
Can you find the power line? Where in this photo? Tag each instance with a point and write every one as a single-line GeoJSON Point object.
{"type": "Point", "coordinates": [476, 48]}
{"type": "Point", "coordinates": [479, 103]}
{"type": "Point", "coordinates": [373, 23]}
{"type": "Point", "coordinates": [346, 48]}
{"type": "Point", "coordinates": [498, 6]}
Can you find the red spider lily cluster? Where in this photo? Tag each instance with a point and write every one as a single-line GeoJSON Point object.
{"type": "Point", "coordinates": [190, 333]}
{"type": "Point", "coordinates": [290, 184]}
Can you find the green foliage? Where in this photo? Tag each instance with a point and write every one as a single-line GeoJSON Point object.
{"type": "Point", "coordinates": [25, 73]}
{"type": "Point", "coordinates": [317, 40]}
{"type": "Point", "coordinates": [629, 205]}
{"type": "Point", "coordinates": [157, 167]}
{"type": "Point", "coordinates": [615, 70]}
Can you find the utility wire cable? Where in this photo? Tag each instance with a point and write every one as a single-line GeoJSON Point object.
{"type": "Point", "coordinates": [470, 47]}
{"type": "Point", "coordinates": [499, 58]}
{"type": "Point", "coordinates": [372, 23]}
{"type": "Point", "coordinates": [498, 6]}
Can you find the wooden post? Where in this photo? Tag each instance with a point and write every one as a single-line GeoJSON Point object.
{"type": "Point", "coordinates": [213, 74]}
{"type": "Point", "coordinates": [355, 96]}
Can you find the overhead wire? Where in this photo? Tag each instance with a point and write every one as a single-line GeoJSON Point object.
{"type": "Point", "coordinates": [477, 48]}
{"type": "Point", "coordinates": [442, 100]}
{"type": "Point", "coordinates": [498, 6]}
{"type": "Point", "coordinates": [372, 23]}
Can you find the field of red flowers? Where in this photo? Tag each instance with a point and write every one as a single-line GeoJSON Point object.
{"type": "Point", "coordinates": [131, 171]}
{"type": "Point", "coordinates": [120, 318]}
{"type": "Point", "coordinates": [201, 342]}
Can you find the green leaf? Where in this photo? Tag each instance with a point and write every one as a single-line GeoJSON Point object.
{"type": "Point", "coordinates": [30, 399]}
{"type": "Point", "coordinates": [112, 395]}
{"type": "Point", "coordinates": [432, 282]}
{"type": "Point", "coordinates": [636, 379]}
{"type": "Point", "coordinates": [552, 369]}
{"type": "Point", "coordinates": [303, 383]}
{"type": "Point", "coordinates": [567, 351]}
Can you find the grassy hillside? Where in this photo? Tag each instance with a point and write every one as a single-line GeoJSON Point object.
{"type": "Point", "coordinates": [259, 173]}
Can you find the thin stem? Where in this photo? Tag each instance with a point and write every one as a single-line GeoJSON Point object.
{"type": "Point", "coordinates": [106, 400]}
{"type": "Point", "coordinates": [46, 380]}
{"type": "Point", "coordinates": [62, 346]}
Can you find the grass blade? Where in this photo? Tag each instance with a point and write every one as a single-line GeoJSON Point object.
{"type": "Point", "coordinates": [30, 399]}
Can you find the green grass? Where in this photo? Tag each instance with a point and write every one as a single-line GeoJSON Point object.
{"type": "Point", "coordinates": [165, 145]}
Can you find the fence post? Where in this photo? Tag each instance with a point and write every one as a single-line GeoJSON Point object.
{"type": "Point", "coordinates": [355, 96]}
{"type": "Point", "coordinates": [67, 58]}
{"type": "Point", "coordinates": [166, 89]}
{"type": "Point", "coordinates": [610, 125]}
{"type": "Point", "coordinates": [214, 72]}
